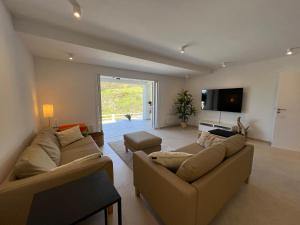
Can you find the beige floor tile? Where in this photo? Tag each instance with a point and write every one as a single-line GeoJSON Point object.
{"type": "Point", "coordinates": [271, 198]}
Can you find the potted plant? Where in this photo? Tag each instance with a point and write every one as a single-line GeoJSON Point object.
{"type": "Point", "coordinates": [128, 116]}
{"type": "Point", "coordinates": [184, 107]}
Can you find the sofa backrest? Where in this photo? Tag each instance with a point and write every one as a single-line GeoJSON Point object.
{"type": "Point", "coordinates": [216, 187]}
{"type": "Point", "coordinates": [45, 140]}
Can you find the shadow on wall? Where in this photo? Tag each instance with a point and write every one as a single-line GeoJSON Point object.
{"type": "Point", "coordinates": [8, 164]}
{"type": "Point", "coordinates": [254, 130]}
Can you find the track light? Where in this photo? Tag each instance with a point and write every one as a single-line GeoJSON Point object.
{"type": "Point", "coordinates": [289, 51]}
{"type": "Point", "coordinates": [70, 56]}
{"type": "Point", "coordinates": [182, 49]}
{"type": "Point", "coordinates": [76, 9]}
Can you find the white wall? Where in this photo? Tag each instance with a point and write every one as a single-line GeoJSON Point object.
{"type": "Point", "coordinates": [17, 94]}
{"type": "Point", "coordinates": [71, 87]}
{"type": "Point", "coordinates": [260, 83]}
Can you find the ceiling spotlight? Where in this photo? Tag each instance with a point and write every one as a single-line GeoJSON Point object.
{"type": "Point", "coordinates": [182, 49]}
{"type": "Point", "coordinates": [70, 56]}
{"type": "Point", "coordinates": [289, 51]}
{"type": "Point", "coordinates": [76, 9]}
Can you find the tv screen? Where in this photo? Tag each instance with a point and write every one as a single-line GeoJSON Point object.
{"type": "Point", "coordinates": [226, 100]}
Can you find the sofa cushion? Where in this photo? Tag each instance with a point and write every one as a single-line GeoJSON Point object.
{"type": "Point", "coordinates": [34, 160]}
{"type": "Point", "coordinates": [201, 163]}
{"type": "Point", "coordinates": [170, 160]}
{"type": "Point", "coordinates": [48, 141]}
{"type": "Point", "coordinates": [234, 144]}
{"type": "Point", "coordinates": [207, 139]}
{"type": "Point", "coordinates": [69, 136]}
{"type": "Point", "coordinates": [78, 149]}
{"type": "Point", "coordinates": [191, 149]}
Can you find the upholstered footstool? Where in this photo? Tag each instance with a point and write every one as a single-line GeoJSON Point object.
{"type": "Point", "coordinates": [142, 141]}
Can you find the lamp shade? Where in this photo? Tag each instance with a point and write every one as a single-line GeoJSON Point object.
{"type": "Point", "coordinates": [48, 110]}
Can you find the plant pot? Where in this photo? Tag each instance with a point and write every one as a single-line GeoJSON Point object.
{"type": "Point", "coordinates": [183, 124]}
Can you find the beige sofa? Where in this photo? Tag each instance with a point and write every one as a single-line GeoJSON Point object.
{"type": "Point", "coordinates": [178, 202]}
{"type": "Point", "coordinates": [16, 194]}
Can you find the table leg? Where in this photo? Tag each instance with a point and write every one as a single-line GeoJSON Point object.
{"type": "Point", "coordinates": [119, 212]}
{"type": "Point", "coordinates": [105, 216]}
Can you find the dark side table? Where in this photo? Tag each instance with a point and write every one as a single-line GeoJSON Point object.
{"type": "Point", "coordinates": [75, 201]}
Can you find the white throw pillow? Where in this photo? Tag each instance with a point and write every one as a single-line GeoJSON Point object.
{"type": "Point", "coordinates": [97, 155]}
{"type": "Point", "coordinates": [207, 139]}
{"type": "Point", "coordinates": [170, 160]}
{"type": "Point", "coordinates": [69, 136]}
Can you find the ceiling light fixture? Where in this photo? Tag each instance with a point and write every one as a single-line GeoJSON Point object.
{"type": "Point", "coordinates": [182, 49]}
{"type": "Point", "coordinates": [76, 9]}
{"type": "Point", "coordinates": [70, 56]}
{"type": "Point", "coordinates": [289, 51]}
{"type": "Point", "coordinates": [224, 64]}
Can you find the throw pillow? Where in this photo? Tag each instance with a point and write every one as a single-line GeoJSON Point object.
{"type": "Point", "coordinates": [201, 163]}
{"type": "Point", "coordinates": [207, 139]}
{"type": "Point", "coordinates": [69, 136]}
{"type": "Point", "coordinates": [34, 160]}
{"type": "Point", "coordinates": [97, 155]}
{"type": "Point", "coordinates": [170, 160]}
{"type": "Point", "coordinates": [234, 144]}
{"type": "Point", "coordinates": [48, 141]}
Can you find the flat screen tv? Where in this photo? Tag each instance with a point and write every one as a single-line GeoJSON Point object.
{"type": "Point", "coordinates": [226, 100]}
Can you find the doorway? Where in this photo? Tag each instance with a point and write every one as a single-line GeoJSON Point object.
{"type": "Point", "coordinates": [287, 120]}
{"type": "Point", "coordinates": [127, 105]}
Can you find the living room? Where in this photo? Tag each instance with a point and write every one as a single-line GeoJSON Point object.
{"type": "Point", "coordinates": [53, 54]}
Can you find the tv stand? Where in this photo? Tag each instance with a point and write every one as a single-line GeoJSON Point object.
{"type": "Point", "coordinates": [207, 125]}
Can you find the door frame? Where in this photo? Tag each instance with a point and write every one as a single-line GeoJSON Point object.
{"type": "Point", "coordinates": [155, 99]}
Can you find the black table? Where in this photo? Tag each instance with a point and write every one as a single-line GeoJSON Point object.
{"type": "Point", "coordinates": [222, 133]}
{"type": "Point", "coordinates": [75, 201]}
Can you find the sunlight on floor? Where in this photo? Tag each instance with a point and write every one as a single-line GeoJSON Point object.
{"type": "Point", "coordinates": [117, 129]}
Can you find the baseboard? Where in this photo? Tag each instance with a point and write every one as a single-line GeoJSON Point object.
{"type": "Point", "coordinates": [261, 140]}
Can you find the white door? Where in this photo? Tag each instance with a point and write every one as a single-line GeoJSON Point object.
{"type": "Point", "coordinates": [287, 121]}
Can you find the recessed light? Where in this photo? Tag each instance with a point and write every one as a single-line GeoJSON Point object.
{"type": "Point", "coordinates": [289, 51]}
{"type": "Point", "coordinates": [70, 56]}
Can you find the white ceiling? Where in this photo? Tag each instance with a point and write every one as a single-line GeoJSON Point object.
{"type": "Point", "coordinates": [54, 49]}
{"type": "Point", "coordinates": [238, 31]}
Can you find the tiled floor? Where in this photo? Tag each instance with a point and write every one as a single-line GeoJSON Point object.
{"type": "Point", "coordinates": [271, 198]}
{"type": "Point", "coordinates": [113, 131]}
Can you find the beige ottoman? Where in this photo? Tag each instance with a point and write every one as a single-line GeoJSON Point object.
{"type": "Point", "coordinates": [142, 141]}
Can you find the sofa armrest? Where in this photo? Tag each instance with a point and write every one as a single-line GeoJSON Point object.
{"type": "Point", "coordinates": [172, 198]}
{"type": "Point", "coordinates": [16, 196]}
